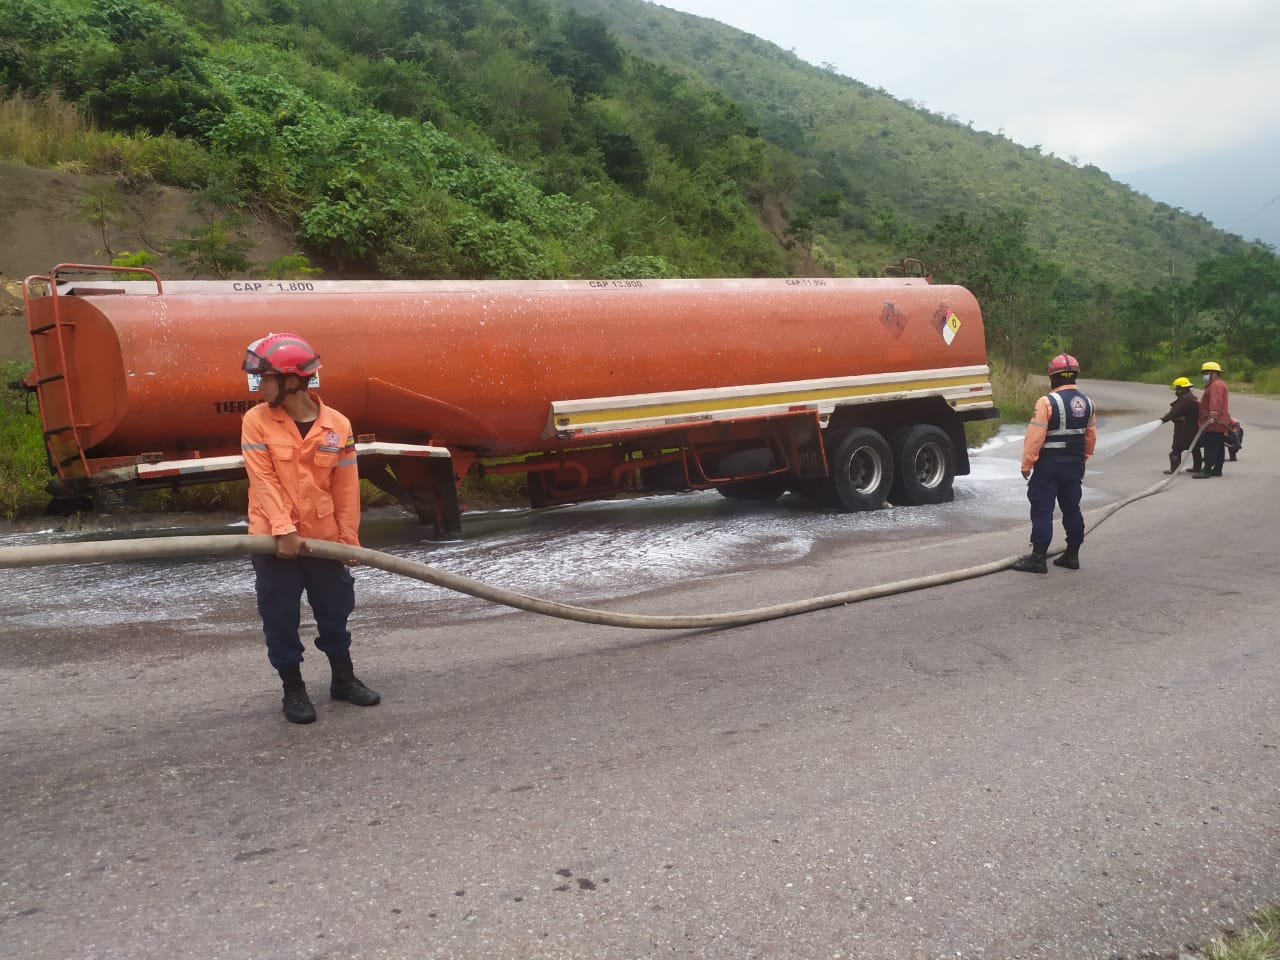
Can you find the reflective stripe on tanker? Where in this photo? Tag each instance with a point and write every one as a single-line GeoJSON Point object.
{"type": "Point", "coordinates": [960, 386]}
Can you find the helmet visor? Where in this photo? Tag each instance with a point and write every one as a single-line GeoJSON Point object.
{"type": "Point", "coordinates": [254, 363]}
{"type": "Point", "coordinates": [308, 367]}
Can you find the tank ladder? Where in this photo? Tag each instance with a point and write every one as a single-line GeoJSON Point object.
{"type": "Point", "coordinates": [49, 346]}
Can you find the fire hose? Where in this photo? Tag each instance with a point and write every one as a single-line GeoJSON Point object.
{"type": "Point", "coordinates": [222, 545]}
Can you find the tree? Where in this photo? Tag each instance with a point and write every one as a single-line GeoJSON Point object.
{"type": "Point", "coordinates": [100, 205]}
{"type": "Point", "coordinates": [220, 245]}
{"type": "Point", "coordinates": [1142, 319]}
{"type": "Point", "coordinates": [993, 257]}
{"type": "Point", "coordinates": [1241, 291]}
{"type": "Point", "coordinates": [799, 232]}
{"type": "Point", "coordinates": [154, 77]}
{"type": "Point", "coordinates": [1175, 299]}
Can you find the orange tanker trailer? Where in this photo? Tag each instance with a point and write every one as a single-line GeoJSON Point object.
{"type": "Point", "coordinates": [850, 392]}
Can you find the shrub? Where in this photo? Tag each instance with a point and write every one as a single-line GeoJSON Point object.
{"type": "Point", "coordinates": [139, 259]}
{"type": "Point", "coordinates": [1267, 381]}
{"type": "Point", "coordinates": [295, 266]}
{"type": "Point", "coordinates": [1015, 390]}
{"type": "Point", "coordinates": [23, 469]}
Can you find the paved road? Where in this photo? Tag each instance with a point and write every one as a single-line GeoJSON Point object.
{"type": "Point", "coordinates": [1080, 765]}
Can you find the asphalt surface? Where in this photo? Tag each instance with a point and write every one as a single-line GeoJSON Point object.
{"type": "Point", "coordinates": [1084, 764]}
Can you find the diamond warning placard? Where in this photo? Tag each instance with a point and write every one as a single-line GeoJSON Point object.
{"type": "Point", "coordinates": [950, 327]}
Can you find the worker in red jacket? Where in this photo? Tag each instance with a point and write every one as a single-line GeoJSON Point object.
{"type": "Point", "coordinates": [1058, 441]}
{"type": "Point", "coordinates": [1215, 420]}
{"type": "Point", "coordinates": [301, 459]}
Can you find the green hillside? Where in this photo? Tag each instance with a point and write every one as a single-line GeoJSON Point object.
{"type": "Point", "coordinates": [898, 168]}
{"type": "Point", "coordinates": [569, 138]}
{"type": "Point", "coordinates": [467, 138]}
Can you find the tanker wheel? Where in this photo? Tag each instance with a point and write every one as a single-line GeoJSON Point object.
{"type": "Point", "coordinates": [861, 470]}
{"type": "Point", "coordinates": [760, 489]}
{"type": "Point", "coordinates": [819, 490]}
{"type": "Point", "coordinates": [924, 466]}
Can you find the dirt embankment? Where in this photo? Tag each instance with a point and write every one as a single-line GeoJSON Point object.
{"type": "Point", "coordinates": [42, 225]}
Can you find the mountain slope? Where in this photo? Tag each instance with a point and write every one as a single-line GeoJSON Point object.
{"type": "Point", "coordinates": [1237, 188]}
{"type": "Point", "coordinates": [896, 165]}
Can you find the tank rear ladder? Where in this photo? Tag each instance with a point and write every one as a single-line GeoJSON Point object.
{"type": "Point", "coordinates": [51, 333]}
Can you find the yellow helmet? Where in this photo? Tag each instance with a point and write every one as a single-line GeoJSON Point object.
{"type": "Point", "coordinates": [1182, 382]}
{"type": "Point", "coordinates": [1210, 365]}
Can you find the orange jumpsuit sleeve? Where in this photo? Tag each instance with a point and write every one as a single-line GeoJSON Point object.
{"type": "Point", "coordinates": [345, 490]}
{"type": "Point", "coordinates": [1036, 431]}
{"type": "Point", "coordinates": [263, 478]}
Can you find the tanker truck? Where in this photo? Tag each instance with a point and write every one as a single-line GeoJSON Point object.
{"type": "Point", "coordinates": [849, 392]}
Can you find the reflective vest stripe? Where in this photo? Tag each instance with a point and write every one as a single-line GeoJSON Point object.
{"type": "Point", "coordinates": [1061, 433]}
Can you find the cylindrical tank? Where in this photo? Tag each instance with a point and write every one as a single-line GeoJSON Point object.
{"type": "Point", "coordinates": [477, 365]}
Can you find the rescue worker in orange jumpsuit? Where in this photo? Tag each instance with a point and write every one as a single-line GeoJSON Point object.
{"type": "Point", "coordinates": [1215, 420]}
{"type": "Point", "coordinates": [301, 459]}
{"type": "Point", "coordinates": [1058, 441]}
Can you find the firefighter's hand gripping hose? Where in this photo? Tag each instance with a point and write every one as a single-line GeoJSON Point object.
{"type": "Point", "coordinates": [215, 545]}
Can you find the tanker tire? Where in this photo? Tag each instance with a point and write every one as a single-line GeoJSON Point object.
{"type": "Point", "coordinates": [759, 489]}
{"type": "Point", "coordinates": [861, 470]}
{"type": "Point", "coordinates": [818, 490]}
{"type": "Point", "coordinates": [924, 466]}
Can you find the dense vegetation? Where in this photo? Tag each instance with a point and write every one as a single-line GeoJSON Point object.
{"type": "Point", "coordinates": [1060, 255]}
{"type": "Point", "coordinates": [554, 138]}
{"type": "Point", "coordinates": [414, 138]}
{"type": "Point", "coordinates": [897, 166]}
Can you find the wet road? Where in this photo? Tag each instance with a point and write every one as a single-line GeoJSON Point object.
{"type": "Point", "coordinates": [582, 554]}
{"type": "Point", "coordinates": [1075, 765]}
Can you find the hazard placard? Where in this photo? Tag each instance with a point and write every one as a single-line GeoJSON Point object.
{"type": "Point", "coordinates": [950, 327]}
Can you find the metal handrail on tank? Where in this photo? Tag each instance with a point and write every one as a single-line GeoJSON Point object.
{"type": "Point", "coordinates": [44, 378]}
{"type": "Point", "coordinates": [909, 267]}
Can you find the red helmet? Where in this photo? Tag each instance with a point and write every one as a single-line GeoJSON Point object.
{"type": "Point", "coordinates": [281, 353]}
{"type": "Point", "coordinates": [1064, 363]}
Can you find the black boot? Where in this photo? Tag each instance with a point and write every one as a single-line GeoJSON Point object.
{"type": "Point", "coordinates": [1174, 460]}
{"type": "Point", "coordinates": [347, 686]}
{"type": "Point", "coordinates": [1034, 561]}
{"type": "Point", "coordinates": [297, 705]}
{"type": "Point", "coordinates": [1070, 557]}
{"type": "Point", "coordinates": [1216, 471]}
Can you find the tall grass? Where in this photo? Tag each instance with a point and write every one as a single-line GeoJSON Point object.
{"type": "Point", "coordinates": [1266, 381]}
{"type": "Point", "coordinates": [43, 131]}
{"type": "Point", "coordinates": [23, 467]}
{"type": "Point", "coordinates": [52, 133]}
{"type": "Point", "coordinates": [1260, 941]}
{"type": "Point", "coordinates": [1015, 393]}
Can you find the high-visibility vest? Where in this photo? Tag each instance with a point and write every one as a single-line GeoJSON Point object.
{"type": "Point", "coordinates": [1070, 412]}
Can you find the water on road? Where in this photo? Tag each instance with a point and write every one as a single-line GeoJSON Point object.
{"type": "Point", "coordinates": [582, 554]}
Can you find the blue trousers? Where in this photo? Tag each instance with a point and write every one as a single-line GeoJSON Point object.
{"type": "Point", "coordinates": [330, 591]}
{"type": "Point", "coordinates": [1056, 479]}
{"type": "Point", "coordinates": [1215, 450]}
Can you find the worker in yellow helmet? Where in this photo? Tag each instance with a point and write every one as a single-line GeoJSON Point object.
{"type": "Point", "coordinates": [1215, 420]}
{"type": "Point", "coordinates": [1184, 414]}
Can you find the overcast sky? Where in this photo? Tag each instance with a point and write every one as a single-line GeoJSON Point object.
{"type": "Point", "coordinates": [1122, 84]}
